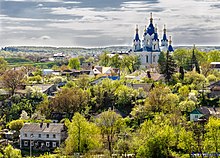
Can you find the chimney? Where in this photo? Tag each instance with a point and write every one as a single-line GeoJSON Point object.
{"type": "Point", "coordinates": [41, 124]}
{"type": "Point", "coordinates": [48, 124]}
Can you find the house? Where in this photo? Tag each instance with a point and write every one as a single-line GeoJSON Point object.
{"type": "Point", "coordinates": [146, 86]}
{"type": "Point", "coordinates": [108, 71]}
{"type": "Point", "coordinates": [59, 56]}
{"type": "Point", "coordinates": [103, 77]}
{"type": "Point", "coordinates": [215, 65]}
{"type": "Point", "coordinates": [42, 136]}
{"type": "Point", "coordinates": [214, 90]}
{"type": "Point", "coordinates": [48, 89]}
{"type": "Point", "coordinates": [204, 113]}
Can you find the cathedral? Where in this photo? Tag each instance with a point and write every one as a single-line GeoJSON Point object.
{"type": "Point", "coordinates": [150, 47]}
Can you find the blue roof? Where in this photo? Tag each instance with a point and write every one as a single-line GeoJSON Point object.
{"type": "Point", "coordinates": [156, 36]}
{"type": "Point", "coordinates": [147, 49]}
{"type": "Point", "coordinates": [165, 37]}
{"type": "Point", "coordinates": [137, 37]}
{"type": "Point", "coordinates": [170, 48]}
{"type": "Point", "coordinates": [150, 29]}
{"type": "Point", "coordinates": [140, 50]}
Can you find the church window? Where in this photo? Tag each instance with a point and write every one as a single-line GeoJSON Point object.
{"type": "Point", "coordinates": [154, 58]}
{"type": "Point", "coordinates": [154, 46]}
{"type": "Point", "coordinates": [146, 58]}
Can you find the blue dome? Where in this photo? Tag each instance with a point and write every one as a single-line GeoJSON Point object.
{"type": "Point", "coordinates": [170, 48]}
{"type": "Point", "coordinates": [156, 36]}
{"type": "Point", "coordinates": [150, 29]}
{"type": "Point", "coordinates": [165, 37]}
{"type": "Point", "coordinates": [137, 37]}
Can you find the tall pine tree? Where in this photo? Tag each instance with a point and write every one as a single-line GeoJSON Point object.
{"type": "Point", "coordinates": [161, 62]}
{"type": "Point", "coordinates": [167, 65]}
{"type": "Point", "coordinates": [194, 62]}
{"type": "Point", "coordinates": [170, 67]}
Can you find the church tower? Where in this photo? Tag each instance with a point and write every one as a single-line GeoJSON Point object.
{"type": "Point", "coordinates": [137, 41]}
{"type": "Point", "coordinates": [155, 41]}
{"type": "Point", "coordinates": [148, 36]}
{"type": "Point", "coordinates": [164, 41]}
{"type": "Point", "coordinates": [170, 48]}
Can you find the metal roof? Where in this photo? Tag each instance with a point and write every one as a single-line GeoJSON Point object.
{"type": "Point", "coordinates": [42, 127]}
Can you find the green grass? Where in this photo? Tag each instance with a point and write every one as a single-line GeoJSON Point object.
{"type": "Point", "coordinates": [17, 60]}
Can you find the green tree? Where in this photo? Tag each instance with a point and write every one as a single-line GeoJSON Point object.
{"type": "Point", "coordinates": [212, 136]}
{"type": "Point", "coordinates": [214, 56]}
{"type": "Point", "coordinates": [131, 63]}
{"type": "Point", "coordinates": [170, 67]}
{"type": "Point", "coordinates": [10, 152]}
{"type": "Point", "coordinates": [161, 99]}
{"type": "Point", "coordinates": [182, 57]}
{"type": "Point", "coordinates": [186, 141]}
{"type": "Point", "coordinates": [16, 125]}
{"type": "Point", "coordinates": [102, 94]}
{"type": "Point", "coordinates": [81, 59]}
{"type": "Point", "coordinates": [115, 61]}
{"type": "Point", "coordinates": [155, 140]}
{"type": "Point", "coordinates": [162, 62]}
{"type": "Point", "coordinates": [125, 96]}
{"type": "Point", "coordinates": [74, 63]}
{"type": "Point", "coordinates": [195, 80]}
{"type": "Point", "coordinates": [109, 123]}
{"type": "Point", "coordinates": [3, 66]}
{"type": "Point", "coordinates": [104, 59]}
{"type": "Point", "coordinates": [82, 135]}
{"type": "Point", "coordinates": [194, 62]}
{"type": "Point", "coordinates": [69, 100]}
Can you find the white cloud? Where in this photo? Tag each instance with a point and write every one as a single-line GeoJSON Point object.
{"type": "Point", "coordinates": [72, 2]}
{"type": "Point", "coordinates": [22, 28]}
{"type": "Point", "coordinates": [45, 37]}
{"type": "Point", "coordinates": [34, 0]}
{"type": "Point", "coordinates": [40, 5]}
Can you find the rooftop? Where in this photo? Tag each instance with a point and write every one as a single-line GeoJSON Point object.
{"type": "Point", "coordinates": [42, 127]}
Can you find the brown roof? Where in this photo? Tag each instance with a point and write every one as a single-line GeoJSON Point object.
{"type": "Point", "coordinates": [44, 127]}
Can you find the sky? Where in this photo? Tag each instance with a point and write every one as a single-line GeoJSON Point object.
{"type": "Point", "coordinates": [100, 23]}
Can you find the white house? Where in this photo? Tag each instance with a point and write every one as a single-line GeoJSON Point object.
{"type": "Point", "coordinates": [42, 136]}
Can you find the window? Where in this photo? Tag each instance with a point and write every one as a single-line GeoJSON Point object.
{"type": "Point", "coordinates": [47, 135]}
{"type": "Point", "coordinates": [54, 135]}
{"type": "Point", "coordinates": [154, 46]}
{"type": "Point", "coordinates": [39, 135]}
{"type": "Point", "coordinates": [25, 143]}
{"type": "Point", "coordinates": [146, 58]}
{"type": "Point", "coordinates": [154, 57]}
{"type": "Point", "coordinates": [42, 144]}
{"type": "Point", "coordinates": [47, 144]}
{"type": "Point", "coordinates": [54, 144]}
{"type": "Point", "coordinates": [196, 116]}
{"type": "Point", "coordinates": [25, 135]}
{"type": "Point", "coordinates": [32, 143]}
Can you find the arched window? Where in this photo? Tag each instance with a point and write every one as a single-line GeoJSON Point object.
{"type": "Point", "coordinates": [146, 58]}
{"type": "Point", "coordinates": [154, 58]}
{"type": "Point", "coordinates": [154, 46]}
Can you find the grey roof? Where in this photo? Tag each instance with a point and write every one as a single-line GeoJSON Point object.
{"type": "Point", "coordinates": [146, 86]}
{"type": "Point", "coordinates": [208, 111]}
{"type": "Point", "coordinates": [36, 127]}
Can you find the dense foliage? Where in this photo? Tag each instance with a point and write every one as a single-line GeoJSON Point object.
{"type": "Point", "coordinates": [113, 117]}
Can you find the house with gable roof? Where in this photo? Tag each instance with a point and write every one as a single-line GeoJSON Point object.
{"type": "Point", "coordinates": [42, 136]}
